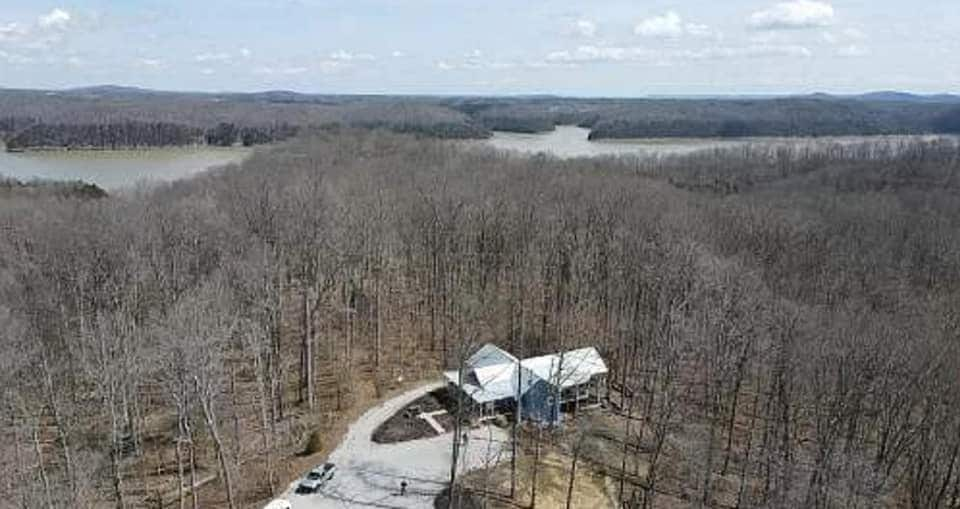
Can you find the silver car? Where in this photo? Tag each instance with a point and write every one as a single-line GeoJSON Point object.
{"type": "Point", "coordinates": [316, 478]}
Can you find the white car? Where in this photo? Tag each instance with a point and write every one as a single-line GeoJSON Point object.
{"type": "Point", "coordinates": [316, 478]}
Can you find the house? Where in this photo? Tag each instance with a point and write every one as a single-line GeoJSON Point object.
{"type": "Point", "coordinates": [492, 379]}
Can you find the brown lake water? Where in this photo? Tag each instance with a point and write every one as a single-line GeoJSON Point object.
{"type": "Point", "coordinates": [117, 169]}
{"type": "Point", "coordinates": [571, 141]}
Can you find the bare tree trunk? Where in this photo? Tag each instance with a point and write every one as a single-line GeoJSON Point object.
{"type": "Point", "coordinates": [178, 451]}
{"type": "Point", "coordinates": [265, 425]}
{"type": "Point", "coordinates": [211, 421]}
{"type": "Point", "coordinates": [20, 479]}
{"type": "Point", "coordinates": [194, 496]}
{"type": "Point", "coordinates": [42, 468]}
{"type": "Point", "coordinates": [626, 443]}
{"type": "Point", "coordinates": [115, 452]}
{"type": "Point", "coordinates": [536, 468]}
{"type": "Point", "coordinates": [457, 429]}
{"type": "Point", "coordinates": [518, 414]}
{"type": "Point", "coordinates": [61, 429]}
{"type": "Point", "coordinates": [379, 333]}
{"type": "Point", "coordinates": [748, 447]}
{"type": "Point", "coordinates": [306, 349]}
{"type": "Point", "coordinates": [235, 403]}
{"type": "Point", "coordinates": [277, 358]}
{"type": "Point", "coordinates": [573, 471]}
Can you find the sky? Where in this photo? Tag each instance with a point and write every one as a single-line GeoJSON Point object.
{"type": "Point", "coordinates": [493, 47]}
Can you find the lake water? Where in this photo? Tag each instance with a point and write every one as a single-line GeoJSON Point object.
{"type": "Point", "coordinates": [117, 169]}
{"type": "Point", "coordinates": [113, 170]}
{"type": "Point", "coordinates": [572, 141]}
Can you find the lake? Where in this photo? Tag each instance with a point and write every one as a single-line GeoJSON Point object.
{"type": "Point", "coordinates": [116, 169]}
{"type": "Point", "coordinates": [572, 141]}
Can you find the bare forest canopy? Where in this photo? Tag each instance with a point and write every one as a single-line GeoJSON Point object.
{"type": "Point", "coordinates": [783, 326]}
{"type": "Point", "coordinates": [12, 188]}
{"type": "Point", "coordinates": [118, 117]}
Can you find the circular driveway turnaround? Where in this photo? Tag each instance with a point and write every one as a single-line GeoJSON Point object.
{"type": "Point", "coordinates": [369, 474]}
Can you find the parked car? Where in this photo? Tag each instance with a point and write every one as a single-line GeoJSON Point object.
{"type": "Point", "coordinates": [316, 478]}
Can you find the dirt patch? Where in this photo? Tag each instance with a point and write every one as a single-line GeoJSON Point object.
{"type": "Point", "coordinates": [492, 487]}
{"type": "Point", "coordinates": [405, 425]}
{"type": "Point", "coordinates": [463, 499]}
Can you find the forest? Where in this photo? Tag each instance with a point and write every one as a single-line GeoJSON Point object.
{"type": "Point", "coordinates": [117, 117]}
{"type": "Point", "coordinates": [782, 326]}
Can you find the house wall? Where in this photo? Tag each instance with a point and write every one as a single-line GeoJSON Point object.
{"type": "Point", "coordinates": [540, 404]}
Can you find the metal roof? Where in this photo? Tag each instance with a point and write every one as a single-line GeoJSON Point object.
{"type": "Point", "coordinates": [567, 369]}
{"type": "Point", "coordinates": [491, 373]}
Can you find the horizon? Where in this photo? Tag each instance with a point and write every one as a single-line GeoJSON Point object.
{"type": "Point", "coordinates": [566, 48]}
{"type": "Point", "coordinates": [718, 95]}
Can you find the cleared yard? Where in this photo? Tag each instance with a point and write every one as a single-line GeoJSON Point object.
{"type": "Point", "coordinates": [369, 474]}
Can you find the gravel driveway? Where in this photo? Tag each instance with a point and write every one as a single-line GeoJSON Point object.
{"type": "Point", "coordinates": [369, 474]}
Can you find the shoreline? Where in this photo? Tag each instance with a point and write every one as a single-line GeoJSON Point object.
{"type": "Point", "coordinates": [120, 149]}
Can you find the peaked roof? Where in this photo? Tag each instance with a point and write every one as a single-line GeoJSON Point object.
{"type": "Point", "coordinates": [567, 369]}
{"type": "Point", "coordinates": [490, 374]}
{"type": "Point", "coordinates": [490, 355]}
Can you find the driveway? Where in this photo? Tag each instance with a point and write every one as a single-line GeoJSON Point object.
{"type": "Point", "coordinates": [369, 474]}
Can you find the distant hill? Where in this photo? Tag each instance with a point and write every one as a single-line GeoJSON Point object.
{"type": "Point", "coordinates": [289, 96]}
{"type": "Point", "coordinates": [893, 96]}
{"type": "Point", "coordinates": [111, 116]}
{"type": "Point", "coordinates": [108, 89]}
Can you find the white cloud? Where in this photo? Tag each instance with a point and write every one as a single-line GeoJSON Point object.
{"type": "Point", "coordinates": [854, 34]}
{"type": "Point", "coordinates": [698, 29]}
{"type": "Point", "coordinates": [670, 25]}
{"type": "Point", "coordinates": [585, 28]}
{"type": "Point", "coordinates": [474, 59]}
{"type": "Point", "coordinates": [853, 50]}
{"type": "Point", "coordinates": [848, 42]}
{"type": "Point", "coordinates": [45, 31]}
{"type": "Point", "coordinates": [398, 54]}
{"type": "Point", "coordinates": [339, 61]}
{"type": "Point", "coordinates": [57, 18]}
{"type": "Point", "coordinates": [12, 32]}
{"type": "Point", "coordinates": [152, 63]}
{"type": "Point", "coordinates": [667, 25]}
{"type": "Point", "coordinates": [753, 51]}
{"type": "Point", "coordinates": [332, 66]}
{"type": "Point", "coordinates": [245, 52]}
{"type": "Point", "coordinates": [14, 59]}
{"type": "Point", "coordinates": [617, 54]}
{"type": "Point", "coordinates": [346, 56]}
{"type": "Point", "coordinates": [212, 57]}
{"type": "Point", "coordinates": [797, 14]}
{"type": "Point", "coordinates": [75, 61]}
{"type": "Point", "coordinates": [207, 71]}
{"type": "Point", "coordinates": [281, 70]}
{"type": "Point", "coordinates": [598, 54]}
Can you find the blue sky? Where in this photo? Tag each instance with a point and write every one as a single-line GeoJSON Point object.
{"type": "Point", "coordinates": [584, 48]}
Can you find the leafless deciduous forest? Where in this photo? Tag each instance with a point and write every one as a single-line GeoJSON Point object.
{"type": "Point", "coordinates": [122, 117]}
{"type": "Point", "coordinates": [783, 328]}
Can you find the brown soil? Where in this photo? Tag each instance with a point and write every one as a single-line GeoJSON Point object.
{"type": "Point", "coordinates": [492, 487]}
{"type": "Point", "coordinates": [405, 425]}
